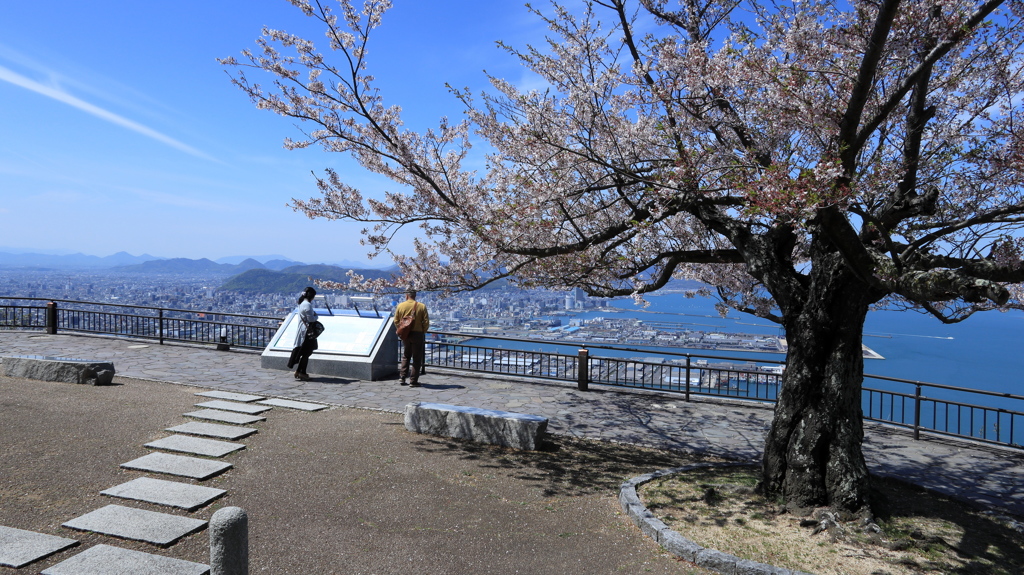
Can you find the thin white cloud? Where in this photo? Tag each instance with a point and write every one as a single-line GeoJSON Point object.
{"type": "Point", "coordinates": [12, 77]}
{"type": "Point", "coordinates": [181, 201]}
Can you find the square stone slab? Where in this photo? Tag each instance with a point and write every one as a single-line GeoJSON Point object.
{"type": "Point", "coordinates": [235, 406]}
{"type": "Point", "coordinates": [108, 560]}
{"type": "Point", "coordinates": [171, 493]}
{"type": "Point", "coordinates": [180, 465]}
{"type": "Point", "coordinates": [225, 416]}
{"type": "Point", "coordinates": [195, 445]}
{"type": "Point", "coordinates": [212, 430]}
{"type": "Point", "coordinates": [19, 547]}
{"type": "Point", "coordinates": [137, 524]}
{"type": "Point", "coordinates": [304, 406]}
{"type": "Point", "coordinates": [230, 395]}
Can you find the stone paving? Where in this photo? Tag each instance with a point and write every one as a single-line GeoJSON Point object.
{"type": "Point", "coordinates": [981, 474]}
{"type": "Point", "coordinates": [19, 548]}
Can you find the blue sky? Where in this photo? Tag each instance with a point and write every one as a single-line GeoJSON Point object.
{"type": "Point", "coordinates": [121, 131]}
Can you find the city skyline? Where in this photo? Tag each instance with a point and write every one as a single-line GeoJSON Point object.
{"type": "Point", "coordinates": [127, 134]}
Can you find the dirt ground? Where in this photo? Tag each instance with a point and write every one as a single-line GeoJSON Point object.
{"type": "Point", "coordinates": [337, 491]}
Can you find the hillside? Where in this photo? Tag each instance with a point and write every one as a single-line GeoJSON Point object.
{"type": "Point", "coordinates": [291, 279]}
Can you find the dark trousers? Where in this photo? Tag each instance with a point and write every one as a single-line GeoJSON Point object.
{"type": "Point", "coordinates": [307, 349]}
{"type": "Point", "coordinates": [413, 352]}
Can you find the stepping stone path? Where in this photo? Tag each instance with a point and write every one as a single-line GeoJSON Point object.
{"type": "Point", "coordinates": [230, 395]}
{"type": "Point", "coordinates": [225, 416]}
{"type": "Point", "coordinates": [170, 493]}
{"type": "Point", "coordinates": [179, 465]}
{"type": "Point", "coordinates": [19, 548]}
{"type": "Point", "coordinates": [212, 430]}
{"type": "Point", "coordinates": [301, 405]}
{"type": "Point", "coordinates": [107, 560]}
{"type": "Point", "coordinates": [154, 527]}
{"type": "Point", "coordinates": [195, 445]}
{"type": "Point", "coordinates": [236, 407]}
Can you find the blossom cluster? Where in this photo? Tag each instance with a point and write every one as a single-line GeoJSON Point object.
{"type": "Point", "coordinates": [719, 147]}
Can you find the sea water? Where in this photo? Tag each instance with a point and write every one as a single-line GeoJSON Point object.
{"type": "Point", "coordinates": [982, 353]}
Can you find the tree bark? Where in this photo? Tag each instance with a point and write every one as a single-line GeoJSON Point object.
{"type": "Point", "coordinates": [813, 456]}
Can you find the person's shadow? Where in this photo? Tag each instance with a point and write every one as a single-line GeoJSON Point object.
{"type": "Point", "coordinates": [439, 386]}
{"type": "Point", "coordinates": [331, 380]}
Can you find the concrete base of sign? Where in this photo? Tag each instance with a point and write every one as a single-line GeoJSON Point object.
{"type": "Point", "coordinates": [364, 369]}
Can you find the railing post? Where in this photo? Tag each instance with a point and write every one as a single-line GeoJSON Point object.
{"type": "Point", "coordinates": [160, 325]}
{"type": "Point", "coordinates": [51, 317]}
{"type": "Point", "coordinates": [223, 345]}
{"type": "Point", "coordinates": [917, 413]}
{"type": "Point", "coordinates": [229, 542]}
{"type": "Point", "coordinates": [687, 377]}
{"type": "Point", "coordinates": [583, 370]}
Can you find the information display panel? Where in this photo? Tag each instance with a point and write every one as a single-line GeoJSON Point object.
{"type": "Point", "coordinates": [345, 332]}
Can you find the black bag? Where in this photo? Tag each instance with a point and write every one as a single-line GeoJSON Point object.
{"type": "Point", "coordinates": [313, 330]}
{"type": "Point", "coordinates": [294, 357]}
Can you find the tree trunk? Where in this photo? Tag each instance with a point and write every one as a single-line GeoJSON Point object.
{"type": "Point", "coordinates": [812, 456]}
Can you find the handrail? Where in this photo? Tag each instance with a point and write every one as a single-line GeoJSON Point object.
{"type": "Point", "coordinates": [160, 326]}
{"type": "Point", "coordinates": [947, 417]}
{"type": "Point", "coordinates": [47, 299]}
{"type": "Point", "coordinates": [943, 386]}
{"type": "Point", "coordinates": [586, 345]}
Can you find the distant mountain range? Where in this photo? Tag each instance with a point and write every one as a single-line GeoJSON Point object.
{"type": "Point", "coordinates": [70, 261]}
{"type": "Point", "coordinates": [125, 262]}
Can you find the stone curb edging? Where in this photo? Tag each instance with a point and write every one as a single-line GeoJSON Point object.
{"type": "Point", "coordinates": [680, 546]}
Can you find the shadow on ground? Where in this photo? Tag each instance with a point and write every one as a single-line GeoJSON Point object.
{"type": "Point", "coordinates": [564, 466]}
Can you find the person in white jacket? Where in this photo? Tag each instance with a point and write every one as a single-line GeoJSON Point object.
{"type": "Point", "coordinates": [305, 344]}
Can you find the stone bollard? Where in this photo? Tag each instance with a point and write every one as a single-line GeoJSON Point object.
{"type": "Point", "coordinates": [583, 370]}
{"type": "Point", "coordinates": [229, 542]}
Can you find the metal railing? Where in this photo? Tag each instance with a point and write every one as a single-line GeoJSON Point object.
{"type": "Point", "coordinates": [140, 322]}
{"type": "Point", "coordinates": [918, 406]}
{"type": "Point", "coordinates": [944, 410]}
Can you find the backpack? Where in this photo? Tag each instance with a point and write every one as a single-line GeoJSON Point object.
{"type": "Point", "coordinates": [405, 325]}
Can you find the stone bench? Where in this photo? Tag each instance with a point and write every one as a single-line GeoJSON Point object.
{"type": "Point", "coordinates": [504, 428]}
{"type": "Point", "coordinates": [64, 369]}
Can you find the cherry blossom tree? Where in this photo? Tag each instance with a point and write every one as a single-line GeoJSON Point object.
{"type": "Point", "coordinates": [808, 160]}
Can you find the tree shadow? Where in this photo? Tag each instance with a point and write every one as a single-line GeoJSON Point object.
{"type": "Point", "coordinates": [987, 543]}
{"type": "Point", "coordinates": [563, 466]}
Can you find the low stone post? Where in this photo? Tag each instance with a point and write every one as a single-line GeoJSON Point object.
{"type": "Point", "coordinates": [51, 317]}
{"type": "Point", "coordinates": [583, 370]}
{"type": "Point", "coordinates": [223, 345]}
{"type": "Point", "coordinates": [229, 542]}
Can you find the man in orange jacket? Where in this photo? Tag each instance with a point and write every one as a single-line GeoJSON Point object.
{"type": "Point", "coordinates": [414, 345]}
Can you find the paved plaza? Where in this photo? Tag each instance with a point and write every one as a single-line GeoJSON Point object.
{"type": "Point", "coordinates": [734, 430]}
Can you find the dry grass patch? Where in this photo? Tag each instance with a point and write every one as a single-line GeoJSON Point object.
{"type": "Point", "coordinates": [914, 531]}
